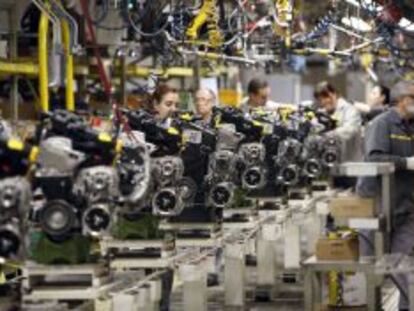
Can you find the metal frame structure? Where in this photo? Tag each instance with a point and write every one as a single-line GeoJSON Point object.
{"type": "Point", "coordinates": [313, 268]}
{"type": "Point", "coordinates": [11, 10]}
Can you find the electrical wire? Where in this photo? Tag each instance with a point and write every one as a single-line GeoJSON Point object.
{"type": "Point", "coordinates": [137, 29]}
{"type": "Point", "coordinates": [321, 28]}
{"type": "Point", "coordinates": [98, 22]}
{"type": "Point", "coordinates": [401, 57]}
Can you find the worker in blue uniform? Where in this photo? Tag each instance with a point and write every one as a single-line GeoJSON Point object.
{"type": "Point", "coordinates": [390, 138]}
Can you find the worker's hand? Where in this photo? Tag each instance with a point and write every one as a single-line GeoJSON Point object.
{"type": "Point", "coordinates": [410, 163]}
{"type": "Point", "coordinates": [363, 108]}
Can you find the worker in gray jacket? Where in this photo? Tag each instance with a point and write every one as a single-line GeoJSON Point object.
{"type": "Point", "coordinates": [348, 129]}
{"type": "Point", "coordinates": [390, 138]}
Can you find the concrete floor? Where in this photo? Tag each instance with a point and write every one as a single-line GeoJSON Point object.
{"type": "Point", "coordinates": [216, 303]}
{"type": "Point", "coordinates": [286, 297]}
{"type": "Point", "coordinates": [290, 299]}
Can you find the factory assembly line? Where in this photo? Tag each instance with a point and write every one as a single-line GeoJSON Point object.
{"type": "Point", "coordinates": [206, 155]}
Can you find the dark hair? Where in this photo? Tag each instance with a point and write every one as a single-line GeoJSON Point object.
{"type": "Point", "coordinates": [159, 93]}
{"type": "Point", "coordinates": [324, 89]}
{"type": "Point", "coordinates": [385, 91]}
{"type": "Point", "coordinates": [255, 85]}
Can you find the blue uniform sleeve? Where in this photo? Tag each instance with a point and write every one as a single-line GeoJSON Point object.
{"type": "Point", "coordinates": [378, 145]}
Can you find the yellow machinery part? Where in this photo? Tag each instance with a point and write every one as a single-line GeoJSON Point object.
{"type": "Point", "coordinates": [104, 137]}
{"type": "Point", "coordinates": [230, 97]}
{"type": "Point", "coordinates": [284, 14]}
{"type": "Point", "coordinates": [198, 21]}
{"type": "Point", "coordinates": [43, 62]}
{"type": "Point", "coordinates": [207, 14]}
{"type": "Point", "coordinates": [333, 288]}
{"type": "Point", "coordinates": [15, 144]}
{"type": "Point", "coordinates": [18, 68]}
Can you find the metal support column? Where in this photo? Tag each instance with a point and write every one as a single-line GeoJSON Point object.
{"type": "Point", "coordinates": [125, 302]}
{"type": "Point", "coordinates": [411, 290]}
{"type": "Point", "coordinates": [234, 275]}
{"type": "Point", "coordinates": [123, 80]}
{"type": "Point", "coordinates": [195, 287]}
{"type": "Point", "coordinates": [386, 203]}
{"type": "Point", "coordinates": [155, 294]}
{"type": "Point", "coordinates": [197, 73]}
{"type": "Point", "coordinates": [308, 292]}
{"type": "Point", "coordinates": [13, 40]}
{"type": "Point", "coordinates": [292, 250]}
{"type": "Point", "coordinates": [266, 274]}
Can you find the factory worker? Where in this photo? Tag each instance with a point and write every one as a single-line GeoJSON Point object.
{"type": "Point", "coordinates": [390, 138]}
{"type": "Point", "coordinates": [204, 101]}
{"type": "Point", "coordinates": [164, 104]}
{"type": "Point", "coordinates": [196, 157]}
{"type": "Point", "coordinates": [378, 102]}
{"type": "Point", "coordinates": [348, 126]}
{"type": "Point", "coordinates": [258, 91]}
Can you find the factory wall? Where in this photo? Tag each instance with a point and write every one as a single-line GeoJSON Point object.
{"type": "Point", "coordinates": [294, 87]}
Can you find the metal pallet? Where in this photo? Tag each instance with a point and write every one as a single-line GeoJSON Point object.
{"type": "Point", "coordinates": [63, 282]}
{"type": "Point", "coordinates": [138, 254]}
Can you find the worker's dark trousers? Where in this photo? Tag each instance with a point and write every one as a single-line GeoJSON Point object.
{"type": "Point", "coordinates": [344, 182]}
{"type": "Point", "coordinates": [402, 241]}
{"type": "Point", "coordinates": [167, 284]}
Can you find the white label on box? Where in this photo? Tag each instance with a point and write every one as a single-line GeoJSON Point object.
{"type": "Point", "coordinates": [228, 127]}
{"type": "Point", "coordinates": [361, 169]}
{"type": "Point", "coordinates": [192, 136]}
{"type": "Point", "coordinates": [364, 223]}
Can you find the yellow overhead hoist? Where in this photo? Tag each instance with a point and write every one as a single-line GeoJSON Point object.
{"type": "Point", "coordinates": [283, 25]}
{"type": "Point", "coordinates": [208, 15]}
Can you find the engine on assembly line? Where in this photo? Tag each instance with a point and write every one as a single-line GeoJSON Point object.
{"type": "Point", "coordinates": [71, 185]}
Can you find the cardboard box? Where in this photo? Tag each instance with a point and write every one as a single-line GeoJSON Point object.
{"type": "Point", "coordinates": [346, 248]}
{"type": "Point", "coordinates": [352, 207]}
